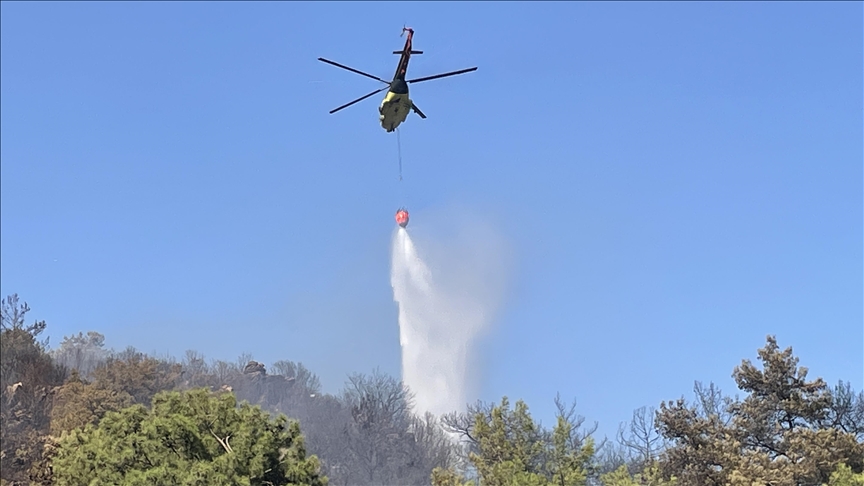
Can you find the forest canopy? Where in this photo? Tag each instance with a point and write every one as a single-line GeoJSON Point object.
{"type": "Point", "coordinates": [84, 414]}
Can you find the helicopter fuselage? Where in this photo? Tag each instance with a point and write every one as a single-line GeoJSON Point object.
{"type": "Point", "coordinates": [396, 105]}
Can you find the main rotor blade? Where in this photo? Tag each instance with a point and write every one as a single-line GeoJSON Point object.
{"type": "Point", "coordinates": [428, 78]}
{"type": "Point", "coordinates": [417, 110]}
{"type": "Point", "coordinates": [353, 70]}
{"type": "Point", "coordinates": [346, 105]}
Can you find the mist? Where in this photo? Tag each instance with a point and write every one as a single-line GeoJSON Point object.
{"type": "Point", "coordinates": [448, 296]}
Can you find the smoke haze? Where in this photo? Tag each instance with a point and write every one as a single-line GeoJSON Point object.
{"type": "Point", "coordinates": [447, 296]}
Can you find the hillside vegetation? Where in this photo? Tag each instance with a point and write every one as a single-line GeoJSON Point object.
{"type": "Point", "coordinates": [82, 414]}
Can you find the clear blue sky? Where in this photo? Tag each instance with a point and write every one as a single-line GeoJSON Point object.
{"type": "Point", "coordinates": [677, 181]}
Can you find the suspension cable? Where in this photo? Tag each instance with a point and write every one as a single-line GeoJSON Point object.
{"type": "Point", "coordinates": [399, 149]}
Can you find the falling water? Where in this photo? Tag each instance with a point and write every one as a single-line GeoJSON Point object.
{"type": "Point", "coordinates": [441, 312]}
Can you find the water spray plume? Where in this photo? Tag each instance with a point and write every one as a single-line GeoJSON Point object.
{"type": "Point", "coordinates": [442, 310]}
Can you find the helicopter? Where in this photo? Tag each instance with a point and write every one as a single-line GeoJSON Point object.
{"type": "Point", "coordinates": [396, 105]}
